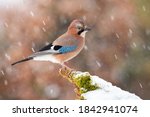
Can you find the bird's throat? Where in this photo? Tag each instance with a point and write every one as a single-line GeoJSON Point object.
{"type": "Point", "coordinates": [83, 34]}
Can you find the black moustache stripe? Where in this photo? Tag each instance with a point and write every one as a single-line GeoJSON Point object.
{"type": "Point", "coordinates": [79, 33]}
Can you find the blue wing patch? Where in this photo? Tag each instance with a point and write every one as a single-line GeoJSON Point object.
{"type": "Point", "coordinates": [66, 49]}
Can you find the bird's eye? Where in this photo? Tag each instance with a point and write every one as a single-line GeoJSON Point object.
{"type": "Point", "coordinates": [79, 28]}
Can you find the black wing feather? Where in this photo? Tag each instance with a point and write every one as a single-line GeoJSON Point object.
{"type": "Point", "coordinates": [48, 47]}
{"type": "Point", "coordinates": [57, 47]}
{"type": "Point", "coordinates": [23, 60]}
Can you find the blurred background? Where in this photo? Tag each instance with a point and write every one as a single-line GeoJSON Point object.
{"type": "Point", "coordinates": [117, 49]}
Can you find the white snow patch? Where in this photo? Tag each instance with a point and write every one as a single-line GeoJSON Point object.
{"type": "Point", "coordinates": [107, 91]}
{"type": "Point", "coordinates": [79, 74]}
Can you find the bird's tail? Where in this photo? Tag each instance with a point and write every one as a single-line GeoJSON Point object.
{"type": "Point", "coordinates": [23, 60]}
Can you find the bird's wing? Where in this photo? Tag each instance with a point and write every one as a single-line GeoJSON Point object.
{"type": "Point", "coordinates": [54, 49]}
{"type": "Point", "coordinates": [47, 47]}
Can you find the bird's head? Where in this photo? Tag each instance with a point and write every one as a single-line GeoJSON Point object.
{"type": "Point", "coordinates": [77, 27]}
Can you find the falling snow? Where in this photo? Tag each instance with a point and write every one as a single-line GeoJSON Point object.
{"type": "Point", "coordinates": [44, 29]}
{"type": "Point", "coordinates": [33, 44]}
{"type": "Point", "coordinates": [25, 27]}
{"type": "Point", "coordinates": [144, 8]}
{"type": "Point", "coordinates": [6, 25]}
{"type": "Point", "coordinates": [130, 32]}
{"type": "Point", "coordinates": [85, 47]}
{"type": "Point", "coordinates": [2, 72]}
{"type": "Point", "coordinates": [52, 91]}
{"type": "Point", "coordinates": [7, 56]}
{"type": "Point", "coordinates": [140, 85]}
{"type": "Point", "coordinates": [64, 21]}
{"type": "Point", "coordinates": [148, 47]}
{"type": "Point", "coordinates": [126, 55]}
{"type": "Point", "coordinates": [98, 63]}
{"type": "Point", "coordinates": [117, 35]}
{"type": "Point", "coordinates": [31, 13]}
{"type": "Point", "coordinates": [5, 82]}
{"type": "Point", "coordinates": [116, 57]}
{"type": "Point", "coordinates": [147, 31]}
{"type": "Point", "coordinates": [112, 17]}
{"type": "Point", "coordinates": [19, 44]}
{"type": "Point", "coordinates": [44, 23]}
{"type": "Point", "coordinates": [46, 43]}
{"type": "Point", "coordinates": [134, 44]}
{"type": "Point", "coordinates": [144, 46]}
{"type": "Point", "coordinates": [33, 50]}
{"type": "Point", "coordinates": [84, 18]}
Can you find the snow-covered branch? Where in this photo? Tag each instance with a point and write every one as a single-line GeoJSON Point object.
{"type": "Point", "coordinates": [93, 87]}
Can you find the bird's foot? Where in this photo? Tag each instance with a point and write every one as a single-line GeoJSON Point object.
{"type": "Point", "coordinates": [67, 73]}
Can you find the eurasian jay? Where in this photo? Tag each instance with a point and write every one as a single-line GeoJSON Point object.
{"type": "Point", "coordinates": [65, 47]}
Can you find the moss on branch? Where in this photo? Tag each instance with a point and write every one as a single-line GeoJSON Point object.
{"type": "Point", "coordinates": [82, 82]}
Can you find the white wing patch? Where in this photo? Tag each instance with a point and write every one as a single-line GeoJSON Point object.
{"type": "Point", "coordinates": [50, 58]}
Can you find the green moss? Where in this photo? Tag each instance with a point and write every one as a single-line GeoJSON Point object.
{"type": "Point", "coordinates": [82, 98]}
{"type": "Point", "coordinates": [84, 83]}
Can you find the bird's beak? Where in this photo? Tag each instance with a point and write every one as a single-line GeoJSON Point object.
{"type": "Point", "coordinates": [87, 28]}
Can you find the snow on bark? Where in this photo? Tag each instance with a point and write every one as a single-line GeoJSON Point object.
{"type": "Point", "coordinates": [107, 91]}
{"type": "Point", "coordinates": [90, 87]}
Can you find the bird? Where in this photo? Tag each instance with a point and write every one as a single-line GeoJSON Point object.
{"type": "Point", "coordinates": [65, 47]}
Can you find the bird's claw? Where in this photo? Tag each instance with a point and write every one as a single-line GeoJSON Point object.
{"type": "Point", "coordinates": [67, 73]}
